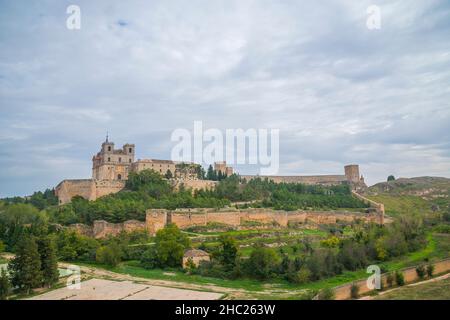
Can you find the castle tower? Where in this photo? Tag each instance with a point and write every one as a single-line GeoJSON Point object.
{"type": "Point", "coordinates": [112, 164]}
{"type": "Point", "coordinates": [352, 173]}
{"type": "Point", "coordinates": [222, 167]}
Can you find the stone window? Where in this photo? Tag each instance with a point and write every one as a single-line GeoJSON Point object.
{"type": "Point", "coordinates": [130, 150]}
{"type": "Point", "coordinates": [119, 177]}
{"type": "Point", "coordinates": [129, 160]}
{"type": "Point", "coordinates": [109, 159]}
{"type": "Point", "coordinates": [109, 148]}
{"type": "Point", "coordinates": [120, 159]}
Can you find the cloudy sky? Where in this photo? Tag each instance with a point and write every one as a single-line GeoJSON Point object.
{"type": "Point", "coordinates": [339, 92]}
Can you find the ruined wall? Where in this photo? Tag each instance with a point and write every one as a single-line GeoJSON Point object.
{"type": "Point", "coordinates": [379, 207]}
{"type": "Point", "coordinates": [102, 228]}
{"type": "Point", "coordinates": [155, 219]}
{"type": "Point", "coordinates": [322, 179]}
{"type": "Point", "coordinates": [68, 189]}
{"type": "Point", "coordinates": [184, 218]}
{"type": "Point", "coordinates": [195, 184]}
{"type": "Point", "coordinates": [105, 187]}
{"type": "Point", "coordinates": [344, 292]}
{"type": "Point", "coordinates": [87, 188]}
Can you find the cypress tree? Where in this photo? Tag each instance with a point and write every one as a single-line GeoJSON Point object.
{"type": "Point", "coordinates": [210, 173]}
{"type": "Point", "coordinates": [5, 286]}
{"type": "Point", "coordinates": [25, 268]}
{"type": "Point", "coordinates": [49, 263]}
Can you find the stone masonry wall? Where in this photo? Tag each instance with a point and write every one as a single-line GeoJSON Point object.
{"type": "Point", "coordinates": [87, 188]}
{"type": "Point", "coordinates": [344, 292]}
{"type": "Point", "coordinates": [156, 219]}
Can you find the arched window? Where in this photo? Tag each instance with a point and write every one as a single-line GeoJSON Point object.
{"type": "Point", "coordinates": [120, 159]}
{"type": "Point", "coordinates": [109, 159]}
{"type": "Point", "coordinates": [119, 177]}
{"type": "Point", "coordinates": [130, 150]}
{"type": "Point", "coordinates": [109, 148]}
{"type": "Point", "coordinates": [129, 160]}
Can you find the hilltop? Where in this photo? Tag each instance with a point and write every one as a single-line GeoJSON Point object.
{"type": "Point", "coordinates": [419, 195]}
{"type": "Point", "coordinates": [425, 187]}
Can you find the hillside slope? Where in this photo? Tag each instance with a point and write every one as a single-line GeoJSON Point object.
{"type": "Point", "coordinates": [420, 195]}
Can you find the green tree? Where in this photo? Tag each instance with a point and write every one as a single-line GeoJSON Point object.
{"type": "Point", "coordinates": [326, 294]}
{"type": "Point", "coordinates": [263, 262]}
{"type": "Point", "coordinates": [399, 278]}
{"type": "Point", "coordinates": [168, 251]}
{"type": "Point", "coordinates": [228, 252]}
{"type": "Point", "coordinates": [168, 174]}
{"type": "Point", "coordinates": [354, 291]}
{"type": "Point", "coordinates": [430, 270]}
{"type": "Point", "coordinates": [5, 285]}
{"type": "Point", "coordinates": [391, 178]}
{"type": "Point", "coordinates": [110, 254]}
{"type": "Point", "coordinates": [49, 262]}
{"type": "Point", "coordinates": [420, 270]}
{"type": "Point", "coordinates": [25, 267]}
{"type": "Point", "coordinates": [211, 174]}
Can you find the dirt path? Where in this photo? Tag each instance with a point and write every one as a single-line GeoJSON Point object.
{"type": "Point", "coordinates": [105, 274]}
{"type": "Point", "coordinates": [443, 277]}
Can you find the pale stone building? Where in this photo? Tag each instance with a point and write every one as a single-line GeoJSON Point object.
{"type": "Point", "coordinates": [222, 167]}
{"type": "Point", "coordinates": [112, 164]}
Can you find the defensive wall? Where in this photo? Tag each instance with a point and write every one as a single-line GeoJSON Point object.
{"type": "Point", "coordinates": [184, 218]}
{"type": "Point", "coordinates": [87, 188]}
{"type": "Point", "coordinates": [156, 219]}
{"type": "Point", "coordinates": [322, 179]}
{"type": "Point", "coordinates": [103, 229]}
{"type": "Point", "coordinates": [344, 292]}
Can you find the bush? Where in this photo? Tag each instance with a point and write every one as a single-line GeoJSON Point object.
{"type": "Point", "coordinates": [430, 270]}
{"type": "Point", "coordinates": [420, 270]}
{"type": "Point", "coordinates": [326, 294]}
{"type": "Point", "coordinates": [300, 277]}
{"type": "Point", "coordinates": [399, 278]}
{"type": "Point", "coordinates": [5, 285]}
{"type": "Point", "coordinates": [109, 255]}
{"type": "Point", "coordinates": [262, 262]}
{"type": "Point", "coordinates": [354, 291]}
{"type": "Point", "coordinates": [168, 251]}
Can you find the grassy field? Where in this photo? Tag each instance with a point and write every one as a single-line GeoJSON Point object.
{"type": "Point", "coordinates": [405, 204]}
{"type": "Point", "coordinates": [436, 249]}
{"type": "Point", "coordinates": [438, 290]}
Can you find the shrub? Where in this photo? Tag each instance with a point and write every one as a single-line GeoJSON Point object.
{"type": "Point", "coordinates": [5, 285]}
{"type": "Point", "coordinates": [430, 270]}
{"type": "Point", "coordinates": [262, 262]}
{"type": "Point", "coordinates": [300, 277]}
{"type": "Point", "coordinates": [420, 270]}
{"type": "Point", "coordinates": [354, 291]}
{"type": "Point", "coordinates": [326, 294]}
{"type": "Point", "coordinates": [399, 278]}
{"type": "Point", "coordinates": [110, 254]}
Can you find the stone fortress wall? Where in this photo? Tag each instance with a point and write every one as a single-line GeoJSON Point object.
{"type": "Point", "coordinates": [351, 177]}
{"type": "Point", "coordinates": [156, 219]}
{"type": "Point", "coordinates": [87, 188]}
{"type": "Point", "coordinates": [110, 168]}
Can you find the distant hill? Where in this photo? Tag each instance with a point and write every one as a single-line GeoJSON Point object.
{"type": "Point", "coordinates": [427, 188]}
